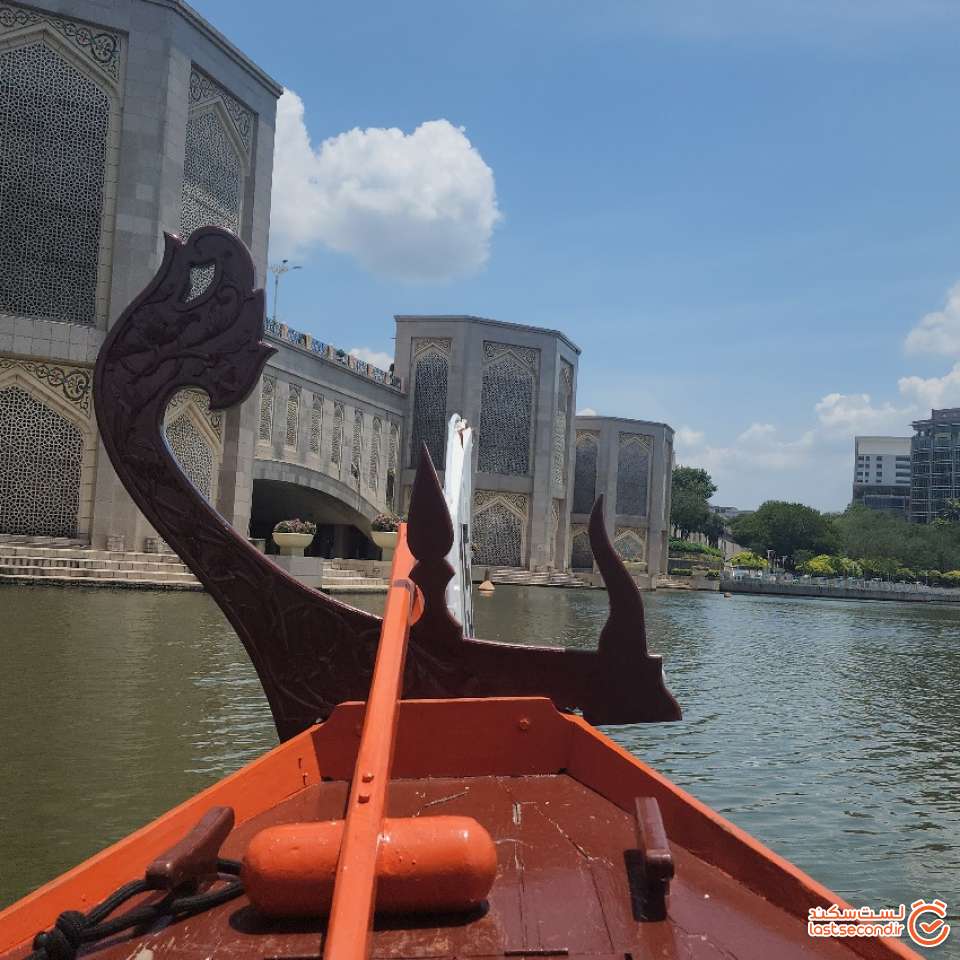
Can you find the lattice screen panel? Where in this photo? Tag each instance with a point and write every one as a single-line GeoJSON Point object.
{"type": "Point", "coordinates": [336, 437]}
{"type": "Point", "coordinates": [375, 453]}
{"type": "Point", "coordinates": [392, 457]}
{"type": "Point", "coordinates": [506, 409]}
{"type": "Point", "coordinates": [497, 536]}
{"type": "Point", "coordinates": [560, 420]}
{"type": "Point", "coordinates": [431, 370]}
{"type": "Point", "coordinates": [212, 185]}
{"type": "Point", "coordinates": [631, 543]}
{"type": "Point", "coordinates": [266, 409]}
{"type": "Point", "coordinates": [357, 450]}
{"type": "Point", "coordinates": [292, 437]}
{"type": "Point", "coordinates": [585, 472]}
{"type": "Point", "coordinates": [633, 469]}
{"type": "Point", "coordinates": [54, 123]}
{"type": "Point", "coordinates": [41, 456]}
{"type": "Point", "coordinates": [193, 453]}
{"type": "Point", "coordinates": [316, 424]}
{"type": "Point", "coordinates": [581, 556]}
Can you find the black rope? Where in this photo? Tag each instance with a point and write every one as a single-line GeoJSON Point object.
{"type": "Point", "coordinates": [74, 929]}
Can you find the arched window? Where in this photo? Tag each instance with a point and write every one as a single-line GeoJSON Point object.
{"type": "Point", "coordinates": [431, 362]}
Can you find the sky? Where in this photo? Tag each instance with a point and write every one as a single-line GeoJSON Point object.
{"type": "Point", "coordinates": [746, 214]}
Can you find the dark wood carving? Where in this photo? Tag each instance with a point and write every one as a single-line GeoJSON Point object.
{"type": "Point", "coordinates": [311, 651]}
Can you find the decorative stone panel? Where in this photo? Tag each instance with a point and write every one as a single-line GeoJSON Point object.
{"type": "Point", "coordinates": [506, 408]}
{"type": "Point", "coordinates": [633, 474]}
{"type": "Point", "coordinates": [431, 367]}
{"type": "Point", "coordinates": [585, 471]}
{"type": "Point", "coordinates": [74, 384]}
{"type": "Point", "coordinates": [392, 458]}
{"type": "Point", "coordinates": [193, 452]}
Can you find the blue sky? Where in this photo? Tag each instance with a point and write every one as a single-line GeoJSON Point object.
{"type": "Point", "coordinates": [746, 214]}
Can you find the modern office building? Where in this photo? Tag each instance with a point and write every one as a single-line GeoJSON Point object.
{"type": "Point", "coordinates": [934, 464]}
{"type": "Point", "coordinates": [881, 473]}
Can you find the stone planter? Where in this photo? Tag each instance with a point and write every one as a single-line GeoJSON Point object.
{"type": "Point", "coordinates": [292, 544]}
{"type": "Point", "coordinates": [386, 540]}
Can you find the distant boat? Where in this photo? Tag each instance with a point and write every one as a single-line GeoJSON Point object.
{"type": "Point", "coordinates": [481, 817]}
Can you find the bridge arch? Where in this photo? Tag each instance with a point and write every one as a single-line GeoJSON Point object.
{"type": "Point", "coordinates": [282, 490]}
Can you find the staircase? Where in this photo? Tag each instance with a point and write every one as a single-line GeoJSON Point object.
{"type": "Point", "coordinates": [339, 579]}
{"type": "Point", "coordinates": [66, 562]}
{"type": "Point", "coordinates": [525, 578]}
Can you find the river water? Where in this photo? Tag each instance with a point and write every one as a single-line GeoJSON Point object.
{"type": "Point", "coordinates": [827, 729]}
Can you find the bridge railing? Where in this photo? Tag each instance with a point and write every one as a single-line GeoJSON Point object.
{"type": "Point", "coordinates": [309, 343]}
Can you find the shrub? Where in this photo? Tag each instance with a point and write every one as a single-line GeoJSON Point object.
{"type": "Point", "coordinates": [950, 579]}
{"type": "Point", "coordinates": [712, 574]}
{"type": "Point", "coordinates": [823, 565]}
{"type": "Point", "coordinates": [386, 523]}
{"type": "Point", "coordinates": [746, 560]}
{"type": "Point", "coordinates": [295, 526]}
{"type": "Point", "coordinates": [686, 546]}
{"type": "Point", "coordinates": [681, 572]}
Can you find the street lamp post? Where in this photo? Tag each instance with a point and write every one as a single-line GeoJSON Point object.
{"type": "Point", "coordinates": [278, 270]}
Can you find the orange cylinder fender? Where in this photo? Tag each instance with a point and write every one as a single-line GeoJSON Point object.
{"type": "Point", "coordinates": [428, 864]}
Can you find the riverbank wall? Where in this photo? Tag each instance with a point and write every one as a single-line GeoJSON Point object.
{"type": "Point", "coordinates": [831, 591]}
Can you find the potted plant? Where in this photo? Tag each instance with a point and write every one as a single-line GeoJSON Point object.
{"type": "Point", "coordinates": [385, 529]}
{"type": "Point", "coordinates": [293, 536]}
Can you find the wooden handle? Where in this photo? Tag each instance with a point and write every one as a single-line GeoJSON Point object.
{"type": "Point", "coordinates": [195, 856]}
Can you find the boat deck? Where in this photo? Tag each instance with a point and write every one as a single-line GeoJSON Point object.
{"type": "Point", "coordinates": [562, 889]}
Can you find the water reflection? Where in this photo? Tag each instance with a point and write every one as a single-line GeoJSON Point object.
{"type": "Point", "coordinates": [826, 729]}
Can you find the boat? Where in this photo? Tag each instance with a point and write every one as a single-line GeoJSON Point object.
{"type": "Point", "coordinates": [433, 795]}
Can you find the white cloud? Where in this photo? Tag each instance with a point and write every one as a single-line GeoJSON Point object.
{"type": "Point", "coordinates": [938, 332]}
{"type": "Point", "coordinates": [686, 439]}
{"type": "Point", "coordinates": [932, 391]}
{"type": "Point", "coordinates": [377, 357]}
{"type": "Point", "coordinates": [587, 412]}
{"type": "Point", "coordinates": [849, 414]}
{"type": "Point", "coordinates": [420, 206]}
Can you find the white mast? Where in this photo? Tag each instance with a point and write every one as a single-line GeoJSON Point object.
{"type": "Point", "coordinates": [458, 491]}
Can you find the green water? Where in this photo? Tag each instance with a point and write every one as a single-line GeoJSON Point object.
{"type": "Point", "coordinates": [827, 729]}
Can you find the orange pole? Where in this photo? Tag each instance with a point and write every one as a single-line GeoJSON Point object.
{"type": "Point", "coordinates": [355, 889]}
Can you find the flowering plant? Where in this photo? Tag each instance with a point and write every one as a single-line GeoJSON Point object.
{"type": "Point", "coordinates": [295, 526]}
{"type": "Point", "coordinates": [386, 523]}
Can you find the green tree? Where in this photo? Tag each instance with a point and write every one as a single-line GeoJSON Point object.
{"type": "Point", "coordinates": [691, 488]}
{"type": "Point", "coordinates": [785, 528]}
{"type": "Point", "coordinates": [696, 480]}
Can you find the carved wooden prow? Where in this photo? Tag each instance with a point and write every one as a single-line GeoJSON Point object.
{"type": "Point", "coordinates": [310, 651]}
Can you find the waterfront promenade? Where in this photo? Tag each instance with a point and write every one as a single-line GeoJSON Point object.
{"type": "Point", "coordinates": [840, 588]}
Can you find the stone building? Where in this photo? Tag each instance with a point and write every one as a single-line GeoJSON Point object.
{"type": "Point", "coordinates": [630, 462]}
{"type": "Point", "coordinates": [131, 118]}
{"type": "Point", "coordinates": [516, 386]}
{"type": "Point", "coordinates": [136, 117]}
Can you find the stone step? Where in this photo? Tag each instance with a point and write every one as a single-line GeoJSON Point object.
{"type": "Point", "coordinates": [58, 542]}
{"type": "Point", "coordinates": [129, 583]}
{"type": "Point", "coordinates": [520, 577]}
{"type": "Point", "coordinates": [96, 573]}
{"type": "Point", "coordinates": [87, 554]}
{"type": "Point", "coordinates": [83, 562]}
